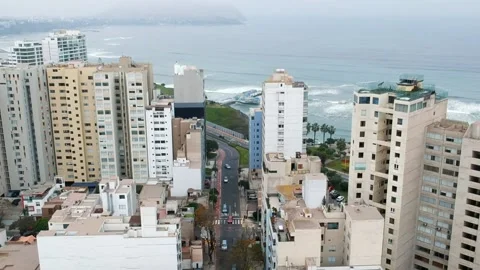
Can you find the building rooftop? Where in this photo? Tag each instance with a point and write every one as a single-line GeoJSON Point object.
{"type": "Point", "coordinates": [290, 192]}
{"type": "Point", "coordinates": [92, 226]}
{"type": "Point", "coordinates": [473, 131]}
{"type": "Point", "coordinates": [450, 125]}
{"type": "Point", "coordinates": [79, 209]}
{"type": "Point", "coordinates": [19, 255]}
{"type": "Point", "coordinates": [37, 192]}
{"type": "Point", "coordinates": [160, 103]}
{"type": "Point", "coordinates": [363, 212]}
{"type": "Point", "coordinates": [153, 192]}
{"type": "Point", "coordinates": [281, 76]}
{"type": "Point", "coordinates": [411, 81]}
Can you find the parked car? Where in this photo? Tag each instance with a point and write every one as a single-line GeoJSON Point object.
{"type": "Point", "coordinates": [340, 199]}
{"type": "Point", "coordinates": [227, 166]}
{"type": "Point", "coordinates": [334, 194]}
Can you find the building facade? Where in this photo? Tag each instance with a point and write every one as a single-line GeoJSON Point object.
{"type": "Point", "coordinates": [27, 145]}
{"type": "Point", "coordinates": [72, 102]}
{"type": "Point", "coordinates": [464, 248]}
{"type": "Point", "coordinates": [387, 150]}
{"type": "Point", "coordinates": [443, 143]}
{"type": "Point", "coordinates": [255, 139]}
{"type": "Point", "coordinates": [189, 92]}
{"type": "Point", "coordinates": [285, 111]}
{"type": "Point", "coordinates": [122, 91]}
{"type": "Point", "coordinates": [64, 46]}
{"type": "Point", "coordinates": [26, 52]}
{"type": "Point", "coordinates": [159, 117]}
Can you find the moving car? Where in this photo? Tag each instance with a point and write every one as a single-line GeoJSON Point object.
{"type": "Point", "coordinates": [224, 245]}
{"type": "Point", "coordinates": [230, 219]}
{"type": "Point", "coordinates": [227, 166]}
{"type": "Point", "coordinates": [224, 209]}
{"type": "Point", "coordinates": [225, 180]}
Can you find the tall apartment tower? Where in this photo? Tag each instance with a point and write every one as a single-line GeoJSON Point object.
{"type": "Point", "coordinates": [189, 92]}
{"type": "Point", "coordinates": [26, 149]}
{"type": "Point", "coordinates": [438, 189]}
{"type": "Point", "coordinates": [387, 150]}
{"type": "Point", "coordinates": [285, 111]}
{"type": "Point", "coordinates": [255, 138]}
{"type": "Point", "coordinates": [122, 91]}
{"type": "Point", "coordinates": [64, 46]}
{"type": "Point", "coordinates": [26, 52]}
{"type": "Point", "coordinates": [464, 248]}
{"type": "Point", "coordinates": [74, 119]}
{"type": "Point", "coordinates": [160, 139]}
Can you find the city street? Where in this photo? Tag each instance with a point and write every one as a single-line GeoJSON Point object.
{"type": "Point", "coordinates": [229, 198]}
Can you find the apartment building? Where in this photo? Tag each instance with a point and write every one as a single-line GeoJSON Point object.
{"type": "Point", "coordinates": [64, 46]}
{"type": "Point", "coordinates": [255, 132]}
{"type": "Point", "coordinates": [387, 153]}
{"type": "Point", "coordinates": [438, 185]}
{"type": "Point", "coordinates": [90, 234]}
{"type": "Point", "coordinates": [189, 92]}
{"type": "Point", "coordinates": [26, 52]}
{"type": "Point", "coordinates": [159, 117]}
{"type": "Point", "coordinates": [122, 92]}
{"type": "Point", "coordinates": [302, 226]}
{"type": "Point", "coordinates": [26, 147]}
{"type": "Point", "coordinates": [34, 199]}
{"type": "Point", "coordinates": [285, 111]}
{"type": "Point", "coordinates": [118, 197]}
{"type": "Point", "coordinates": [464, 247]}
{"type": "Point", "coordinates": [74, 120]}
{"type": "Point", "coordinates": [189, 157]}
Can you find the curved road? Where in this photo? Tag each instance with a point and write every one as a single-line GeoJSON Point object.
{"type": "Point", "coordinates": [229, 196]}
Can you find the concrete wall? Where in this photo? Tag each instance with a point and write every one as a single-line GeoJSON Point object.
{"type": "Point", "coordinates": [184, 178]}
{"type": "Point", "coordinates": [98, 252]}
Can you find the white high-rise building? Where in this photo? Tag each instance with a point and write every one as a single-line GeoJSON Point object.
{"type": "Point", "coordinates": [26, 147]}
{"type": "Point", "coordinates": [159, 139]}
{"type": "Point", "coordinates": [122, 92]}
{"type": "Point", "coordinates": [26, 52]}
{"type": "Point", "coordinates": [285, 111]}
{"type": "Point", "coordinates": [64, 46]}
{"type": "Point", "coordinates": [387, 153]}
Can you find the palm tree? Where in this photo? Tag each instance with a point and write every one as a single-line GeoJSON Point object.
{"type": "Point", "coordinates": [331, 130]}
{"type": "Point", "coordinates": [309, 128]}
{"type": "Point", "coordinates": [324, 130]}
{"type": "Point", "coordinates": [315, 129]}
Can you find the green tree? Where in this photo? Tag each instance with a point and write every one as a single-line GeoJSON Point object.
{"type": "Point", "coordinates": [213, 196]}
{"type": "Point", "coordinates": [324, 130]}
{"type": "Point", "coordinates": [24, 224]}
{"type": "Point", "coordinates": [341, 146]}
{"type": "Point", "coordinates": [205, 220]}
{"type": "Point", "coordinates": [244, 184]}
{"type": "Point", "coordinates": [211, 146]}
{"type": "Point", "coordinates": [331, 130]}
{"type": "Point", "coordinates": [315, 129]}
{"type": "Point", "coordinates": [309, 128]}
{"type": "Point", "coordinates": [41, 225]}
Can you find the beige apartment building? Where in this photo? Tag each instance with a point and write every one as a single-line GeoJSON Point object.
{"type": "Point", "coordinates": [74, 121]}
{"type": "Point", "coordinates": [464, 248]}
{"type": "Point", "coordinates": [387, 153]}
{"type": "Point", "coordinates": [303, 227]}
{"type": "Point", "coordinates": [438, 193]}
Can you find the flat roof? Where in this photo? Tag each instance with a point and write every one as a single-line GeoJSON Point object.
{"type": "Point", "coordinates": [89, 226]}
{"type": "Point", "coordinates": [289, 191]}
{"type": "Point", "coordinates": [153, 192]}
{"type": "Point", "coordinates": [19, 256]}
{"type": "Point", "coordinates": [363, 212]}
{"type": "Point", "coordinates": [305, 224]}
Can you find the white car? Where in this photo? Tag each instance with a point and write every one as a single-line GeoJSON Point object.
{"type": "Point", "coordinates": [340, 199]}
{"type": "Point", "coordinates": [225, 180]}
{"type": "Point", "coordinates": [227, 166]}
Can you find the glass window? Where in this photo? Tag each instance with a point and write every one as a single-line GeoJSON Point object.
{"type": "Point", "coordinates": [332, 225]}
{"type": "Point", "coordinates": [364, 100]}
{"type": "Point", "coordinates": [375, 100]}
{"type": "Point", "coordinates": [401, 108]}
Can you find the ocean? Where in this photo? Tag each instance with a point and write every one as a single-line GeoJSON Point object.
{"type": "Point", "coordinates": [333, 56]}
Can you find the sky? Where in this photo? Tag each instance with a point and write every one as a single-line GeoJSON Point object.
{"type": "Point", "coordinates": [256, 8]}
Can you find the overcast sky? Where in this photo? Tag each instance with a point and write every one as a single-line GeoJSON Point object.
{"type": "Point", "coordinates": [250, 8]}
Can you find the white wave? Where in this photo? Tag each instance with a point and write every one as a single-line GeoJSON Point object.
{"type": "Point", "coordinates": [117, 38]}
{"type": "Point", "coordinates": [463, 111]}
{"type": "Point", "coordinates": [232, 90]}
{"type": "Point", "coordinates": [169, 85]}
{"type": "Point", "coordinates": [103, 54]}
{"type": "Point", "coordinates": [208, 75]}
{"type": "Point", "coordinates": [113, 44]}
{"type": "Point", "coordinates": [323, 92]}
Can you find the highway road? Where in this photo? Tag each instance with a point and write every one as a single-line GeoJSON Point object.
{"type": "Point", "coordinates": [229, 198]}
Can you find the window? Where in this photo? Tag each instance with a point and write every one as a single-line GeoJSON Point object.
{"type": "Point", "coordinates": [399, 121]}
{"type": "Point", "coordinates": [375, 114]}
{"type": "Point", "coordinates": [364, 100]}
{"type": "Point", "coordinates": [332, 248]}
{"type": "Point", "coordinates": [332, 225]}
{"type": "Point", "coordinates": [361, 144]}
{"type": "Point", "coordinates": [122, 207]}
{"type": "Point", "coordinates": [401, 108]}
{"type": "Point", "coordinates": [399, 133]}
{"type": "Point", "coordinates": [392, 221]}
{"type": "Point", "coordinates": [362, 134]}
{"type": "Point", "coordinates": [360, 155]}
{"type": "Point", "coordinates": [121, 196]}
{"type": "Point", "coordinates": [332, 259]}
{"type": "Point", "coordinates": [362, 123]}
{"type": "Point", "coordinates": [395, 178]}
{"type": "Point", "coordinates": [358, 195]}
{"type": "Point", "coordinates": [394, 188]}
{"type": "Point", "coordinates": [393, 199]}
{"type": "Point", "coordinates": [359, 185]}
{"type": "Point", "coordinates": [375, 100]}
{"type": "Point", "coordinates": [360, 175]}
